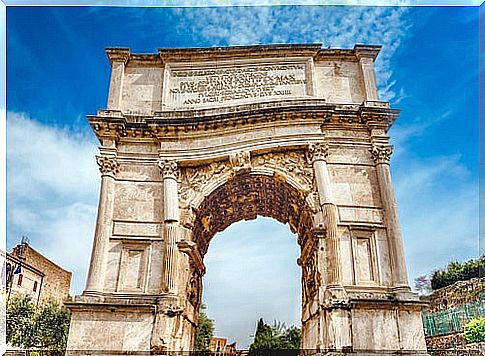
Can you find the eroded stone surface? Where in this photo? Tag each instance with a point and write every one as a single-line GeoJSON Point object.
{"type": "Point", "coordinates": [194, 140]}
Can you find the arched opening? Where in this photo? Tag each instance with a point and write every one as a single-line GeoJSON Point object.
{"type": "Point", "coordinates": [252, 273]}
{"type": "Point", "coordinates": [244, 197]}
{"type": "Point", "coordinates": [247, 195]}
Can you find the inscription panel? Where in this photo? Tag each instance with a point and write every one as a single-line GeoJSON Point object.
{"type": "Point", "coordinates": [225, 83]}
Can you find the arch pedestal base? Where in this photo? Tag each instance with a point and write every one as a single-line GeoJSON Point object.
{"type": "Point", "coordinates": [157, 325]}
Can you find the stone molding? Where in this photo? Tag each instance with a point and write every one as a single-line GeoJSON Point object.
{"type": "Point", "coordinates": [108, 166]}
{"type": "Point", "coordinates": [190, 248]}
{"type": "Point", "coordinates": [381, 153]}
{"type": "Point", "coordinates": [367, 51]}
{"type": "Point", "coordinates": [115, 124]}
{"type": "Point", "coordinates": [172, 311]}
{"type": "Point", "coordinates": [271, 50]}
{"type": "Point", "coordinates": [118, 54]}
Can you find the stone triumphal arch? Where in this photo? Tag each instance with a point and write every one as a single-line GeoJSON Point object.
{"type": "Point", "coordinates": [193, 140]}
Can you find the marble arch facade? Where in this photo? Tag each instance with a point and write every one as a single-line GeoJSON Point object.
{"type": "Point", "coordinates": [193, 140]}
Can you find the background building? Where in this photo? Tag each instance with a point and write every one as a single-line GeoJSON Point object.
{"type": "Point", "coordinates": [29, 272]}
{"type": "Point", "coordinates": [218, 347]}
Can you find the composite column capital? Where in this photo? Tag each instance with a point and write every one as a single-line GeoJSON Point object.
{"type": "Point", "coordinates": [108, 165]}
{"type": "Point", "coordinates": [317, 152]}
{"type": "Point", "coordinates": [168, 168]}
{"type": "Point", "coordinates": [381, 153]}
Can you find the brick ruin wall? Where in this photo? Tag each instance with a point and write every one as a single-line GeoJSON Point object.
{"type": "Point", "coordinates": [454, 296]}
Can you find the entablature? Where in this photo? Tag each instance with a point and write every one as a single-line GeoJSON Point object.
{"type": "Point", "coordinates": [166, 126]}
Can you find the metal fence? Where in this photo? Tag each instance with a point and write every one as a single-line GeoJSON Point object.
{"type": "Point", "coordinates": [452, 320]}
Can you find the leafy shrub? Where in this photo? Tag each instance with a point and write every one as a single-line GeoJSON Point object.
{"type": "Point", "coordinates": [474, 330]}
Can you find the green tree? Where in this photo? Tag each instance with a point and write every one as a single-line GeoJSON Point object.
{"type": "Point", "coordinates": [204, 332]}
{"type": "Point", "coordinates": [51, 323]}
{"type": "Point", "coordinates": [290, 339]}
{"type": "Point", "coordinates": [276, 337]}
{"type": "Point", "coordinates": [264, 338]}
{"type": "Point", "coordinates": [44, 326]}
{"type": "Point", "coordinates": [20, 313]}
{"type": "Point", "coordinates": [474, 330]}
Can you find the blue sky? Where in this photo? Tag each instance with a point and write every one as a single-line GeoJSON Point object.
{"type": "Point", "coordinates": [57, 73]}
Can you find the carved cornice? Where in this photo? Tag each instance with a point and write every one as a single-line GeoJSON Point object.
{"type": "Point", "coordinates": [317, 152]}
{"type": "Point", "coordinates": [108, 165]}
{"type": "Point", "coordinates": [314, 50]}
{"type": "Point", "coordinates": [238, 52]}
{"type": "Point", "coordinates": [377, 116]}
{"type": "Point", "coordinates": [168, 168]}
{"type": "Point", "coordinates": [335, 297]}
{"type": "Point", "coordinates": [118, 54]}
{"type": "Point", "coordinates": [381, 153]}
{"type": "Point", "coordinates": [367, 51]}
{"type": "Point", "coordinates": [160, 125]}
{"type": "Point", "coordinates": [115, 126]}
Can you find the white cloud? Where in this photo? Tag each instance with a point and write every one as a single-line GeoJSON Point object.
{"type": "Point", "coordinates": [47, 158]}
{"type": "Point", "coordinates": [335, 26]}
{"type": "Point", "coordinates": [52, 188]}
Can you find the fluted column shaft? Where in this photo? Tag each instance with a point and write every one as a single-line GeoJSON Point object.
{"type": "Point", "coordinates": [171, 226]}
{"type": "Point", "coordinates": [108, 167]}
{"type": "Point", "coordinates": [381, 155]}
{"type": "Point", "coordinates": [169, 263]}
{"type": "Point", "coordinates": [318, 155]}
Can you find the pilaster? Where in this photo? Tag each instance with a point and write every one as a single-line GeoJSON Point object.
{"type": "Point", "coordinates": [366, 56]}
{"type": "Point", "coordinates": [118, 58]}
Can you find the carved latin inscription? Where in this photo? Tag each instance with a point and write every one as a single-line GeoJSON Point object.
{"type": "Point", "coordinates": [209, 86]}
